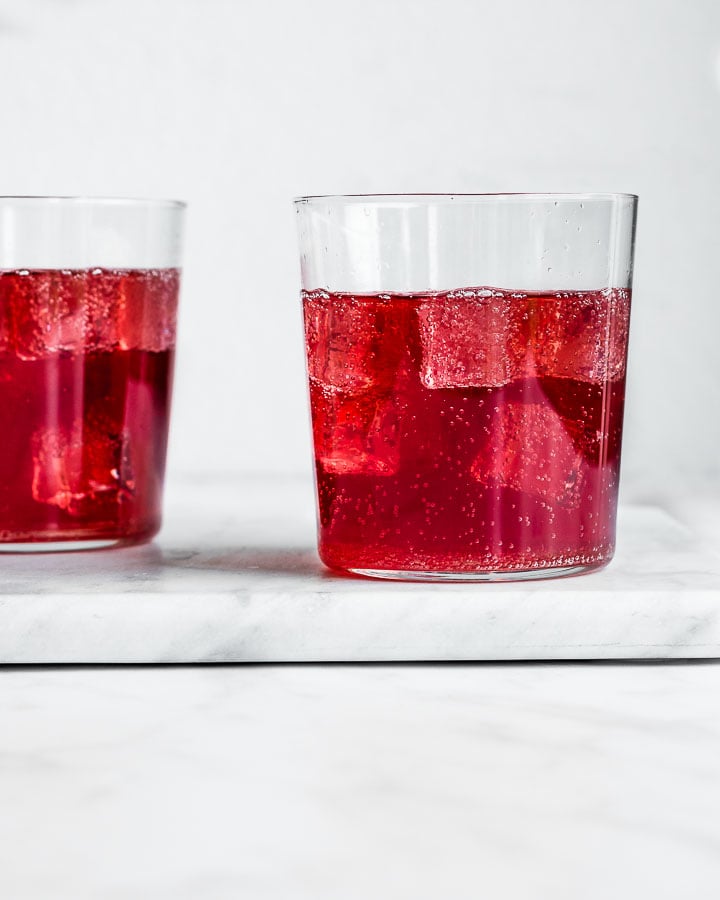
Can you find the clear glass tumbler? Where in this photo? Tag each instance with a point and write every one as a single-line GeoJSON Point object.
{"type": "Point", "coordinates": [88, 304]}
{"type": "Point", "coordinates": [466, 357]}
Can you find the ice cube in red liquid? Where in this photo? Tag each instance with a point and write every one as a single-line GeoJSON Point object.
{"type": "Point", "coordinates": [352, 344]}
{"type": "Point", "coordinates": [452, 354]}
{"type": "Point", "coordinates": [147, 315]}
{"type": "Point", "coordinates": [354, 364]}
{"type": "Point", "coordinates": [78, 468]}
{"type": "Point", "coordinates": [356, 435]}
{"type": "Point", "coordinates": [57, 456]}
{"type": "Point", "coordinates": [532, 451]}
{"type": "Point", "coordinates": [103, 307]}
{"type": "Point", "coordinates": [473, 431]}
{"type": "Point", "coordinates": [581, 336]}
{"type": "Point", "coordinates": [44, 312]}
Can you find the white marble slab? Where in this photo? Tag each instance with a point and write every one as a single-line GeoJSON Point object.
{"type": "Point", "coordinates": [234, 577]}
{"type": "Point", "coordinates": [499, 782]}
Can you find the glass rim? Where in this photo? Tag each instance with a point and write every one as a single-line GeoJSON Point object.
{"type": "Point", "coordinates": [80, 200]}
{"type": "Point", "coordinates": [463, 197]}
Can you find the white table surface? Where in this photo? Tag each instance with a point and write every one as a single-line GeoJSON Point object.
{"type": "Point", "coordinates": [234, 577]}
{"type": "Point", "coordinates": [511, 781]}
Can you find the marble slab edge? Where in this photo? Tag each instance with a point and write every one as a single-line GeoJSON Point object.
{"type": "Point", "coordinates": [316, 626]}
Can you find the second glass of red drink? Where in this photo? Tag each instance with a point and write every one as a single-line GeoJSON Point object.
{"type": "Point", "coordinates": [466, 357]}
{"type": "Point", "coordinates": [88, 302]}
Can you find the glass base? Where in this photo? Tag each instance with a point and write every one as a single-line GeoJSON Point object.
{"type": "Point", "coordinates": [68, 546]}
{"type": "Point", "coordinates": [465, 577]}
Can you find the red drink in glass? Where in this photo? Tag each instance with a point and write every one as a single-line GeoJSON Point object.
{"type": "Point", "coordinates": [467, 431]}
{"type": "Point", "coordinates": [86, 359]}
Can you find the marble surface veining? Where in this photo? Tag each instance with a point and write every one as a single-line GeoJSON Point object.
{"type": "Point", "coordinates": [234, 577]}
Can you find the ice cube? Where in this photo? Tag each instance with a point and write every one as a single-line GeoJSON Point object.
{"type": "Point", "coordinates": [102, 308]}
{"type": "Point", "coordinates": [57, 457]}
{"type": "Point", "coordinates": [353, 342]}
{"type": "Point", "coordinates": [148, 309]}
{"type": "Point", "coordinates": [107, 464]}
{"type": "Point", "coordinates": [5, 319]}
{"type": "Point", "coordinates": [355, 436]}
{"type": "Point", "coordinates": [532, 450]}
{"type": "Point", "coordinates": [472, 339]}
{"type": "Point", "coordinates": [81, 465]}
{"type": "Point", "coordinates": [44, 311]}
{"type": "Point", "coordinates": [581, 336]}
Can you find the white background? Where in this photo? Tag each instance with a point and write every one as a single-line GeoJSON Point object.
{"type": "Point", "coordinates": [237, 107]}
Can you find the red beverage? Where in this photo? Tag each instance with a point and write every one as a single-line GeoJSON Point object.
{"type": "Point", "coordinates": [86, 360]}
{"type": "Point", "coordinates": [467, 431]}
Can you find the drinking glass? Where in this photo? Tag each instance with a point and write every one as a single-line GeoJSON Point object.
{"type": "Point", "coordinates": [88, 302]}
{"type": "Point", "coordinates": [466, 357]}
